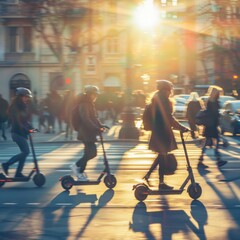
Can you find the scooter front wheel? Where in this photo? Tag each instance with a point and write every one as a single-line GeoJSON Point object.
{"type": "Point", "coordinates": [194, 191]}
{"type": "Point", "coordinates": [39, 179]}
{"type": "Point", "coordinates": [110, 181]}
{"type": "Point", "coordinates": [67, 182]}
{"type": "Point", "coordinates": [141, 192]}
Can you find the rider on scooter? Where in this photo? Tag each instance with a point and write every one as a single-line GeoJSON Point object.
{"type": "Point", "coordinates": [19, 117]}
{"type": "Point", "coordinates": [88, 130]}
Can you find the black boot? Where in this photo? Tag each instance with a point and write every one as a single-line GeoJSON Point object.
{"type": "Point", "coordinates": [5, 168]}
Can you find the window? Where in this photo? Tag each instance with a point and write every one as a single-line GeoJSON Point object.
{"type": "Point", "coordinates": [112, 45]}
{"type": "Point", "coordinates": [19, 39]}
{"type": "Point", "coordinates": [74, 34]}
{"type": "Point", "coordinates": [91, 62]}
{"type": "Point", "coordinates": [13, 1]}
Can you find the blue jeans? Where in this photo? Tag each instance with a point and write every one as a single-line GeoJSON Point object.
{"type": "Point", "coordinates": [21, 157]}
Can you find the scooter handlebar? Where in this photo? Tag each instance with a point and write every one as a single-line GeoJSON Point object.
{"type": "Point", "coordinates": [34, 130]}
{"type": "Point", "coordinates": [105, 127]}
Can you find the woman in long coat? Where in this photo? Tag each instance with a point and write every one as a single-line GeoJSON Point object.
{"type": "Point", "coordinates": [162, 138]}
{"type": "Point", "coordinates": [194, 105]}
{"type": "Point", "coordinates": [211, 132]}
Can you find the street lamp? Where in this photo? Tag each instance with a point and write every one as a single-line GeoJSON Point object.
{"type": "Point", "coordinates": [144, 11]}
{"type": "Point", "coordinates": [145, 78]}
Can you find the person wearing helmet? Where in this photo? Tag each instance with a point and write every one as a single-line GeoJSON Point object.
{"type": "Point", "coordinates": [19, 118]}
{"type": "Point", "coordinates": [88, 130]}
{"type": "Point", "coordinates": [162, 140]}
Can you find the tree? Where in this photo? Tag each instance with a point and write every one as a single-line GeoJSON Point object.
{"type": "Point", "coordinates": [221, 39]}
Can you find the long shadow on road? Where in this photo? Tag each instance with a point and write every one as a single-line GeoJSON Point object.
{"type": "Point", "coordinates": [22, 191]}
{"type": "Point", "coordinates": [227, 193]}
{"type": "Point", "coordinates": [170, 221]}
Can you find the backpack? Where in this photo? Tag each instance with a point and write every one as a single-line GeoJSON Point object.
{"type": "Point", "coordinates": [147, 117]}
{"type": "Point", "coordinates": [75, 118]}
{"type": "Point", "coordinates": [204, 118]}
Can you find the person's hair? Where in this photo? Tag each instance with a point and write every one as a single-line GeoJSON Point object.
{"type": "Point", "coordinates": [215, 92]}
{"type": "Point", "coordinates": [193, 97]}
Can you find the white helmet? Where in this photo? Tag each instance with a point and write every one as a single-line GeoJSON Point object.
{"type": "Point", "coordinates": [21, 91]}
{"type": "Point", "coordinates": [89, 89]}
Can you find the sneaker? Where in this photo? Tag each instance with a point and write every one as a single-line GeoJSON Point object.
{"type": "Point", "coordinates": [75, 169]}
{"type": "Point", "coordinates": [5, 168]}
{"type": "Point", "coordinates": [20, 175]}
{"type": "Point", "coordinates": [164, 186]}
{"type": "Point", "coordinates": [202, 165]}
{"type": "Point", "coordinates": [220, 163]}
{"type": "Point", "coordinates": [82, 177]}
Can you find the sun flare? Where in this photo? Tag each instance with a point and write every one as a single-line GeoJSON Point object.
{"type": "Point", "coordinates": [146, 15]}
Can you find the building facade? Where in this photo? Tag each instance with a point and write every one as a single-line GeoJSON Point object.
{"type": "Point", "coordinates": [94, 43]}
{"type": "Point", "coordinates": [91, 45]}
{"type": "Point", "coordinates": [218, 43]}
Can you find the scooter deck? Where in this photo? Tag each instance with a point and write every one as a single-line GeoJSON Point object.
{"type": "Point", "coordinates": [77, 183]}
{"type": "Point", "coordinates": [164, 192]}
{"type": "Point", "coordinates": [17, 179]}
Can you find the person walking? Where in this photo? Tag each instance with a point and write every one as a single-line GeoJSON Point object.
{"type": "Point", "coordinates": [162, 140]}
{"type": "Point", "coordinates": [89, 128]}
{"type": "Point", "coordinates": [211, 132]}
{"type": "Point", "coordinates": [3, 115]}
{"type": "Point", "coordinates": [67, 106]}
{"type": "Point", "coordinates": [19, 118]}
{"type": "Point", "coordinates": [194, 105]}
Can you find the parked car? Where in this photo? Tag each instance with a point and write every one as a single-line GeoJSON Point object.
{"type": "Point", "coordinates": [180, 108]}
{"type": "Point", "coordinates": [182, 96]}
{"type": "Point", "coordinates": [201, 89]}
{"type": "Point", "coordinates": [230, 117]}
{"type": "Point", "coordinates": [222, 99]}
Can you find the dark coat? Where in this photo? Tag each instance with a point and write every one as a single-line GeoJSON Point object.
{"type": "Point", "coordinates": [3, 110]}
{"type": "Point", "coordinates": [212, 131]}
{"type": "Point", "coordinates": [193, 108]}
{"type": "Point", "coordinates": [19, 118]}
{"type": "Point", "coordinates": [162, 139]}
{"type": "Point", "coordinates": [89, 127]}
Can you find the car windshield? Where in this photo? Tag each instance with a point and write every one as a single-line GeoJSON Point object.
{"type": "Point", "coordinates": [223, 99]}
{"type": "Point", "coordinates": [180, 101]}
{"type": "Point", "coordinates": [236, 106]}
{"type": "Point", "coordinates": [183, 96]}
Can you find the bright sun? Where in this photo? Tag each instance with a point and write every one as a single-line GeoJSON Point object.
{"type": "Point", "coordinates": [146, 16]}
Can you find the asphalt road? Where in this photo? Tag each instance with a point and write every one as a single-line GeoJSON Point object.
{"type": "Point", "coordinates": [96, 212]}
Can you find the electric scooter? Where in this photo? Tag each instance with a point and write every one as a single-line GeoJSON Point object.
{"type": "Point", "coordinates": [38, 179]}
{"type": "Point", "coordinates": [142, 190]}
{"type": "Point", "coordinates": [110, 181]}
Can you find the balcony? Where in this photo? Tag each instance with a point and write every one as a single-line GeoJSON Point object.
{"type": "Point", "coordinates": [19, 57]}
{"type": "Point", "coordinates": [14, 11]}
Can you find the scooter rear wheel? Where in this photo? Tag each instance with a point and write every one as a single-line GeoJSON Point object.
{"type": "Point", "coordinates": [110, 181]}
{"type": "Point", "coordinates": [141, 192]}
{"type": "Point", "coordinates": [2, 176]}
{"type": "Point", "coordinates": [67, 182]}
{"type": "Point", "coordinates": [194, 190]}
{"type": "Point", "coordinates": [39, 179]}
